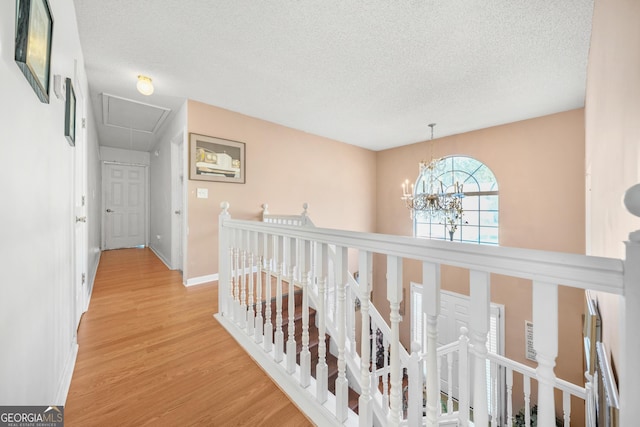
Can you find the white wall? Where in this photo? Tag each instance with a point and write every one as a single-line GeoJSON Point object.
{"type": "Point", "coordinates": [37, 333]}
{"type": "Point", "coordinates": [612, 131]}
{"type": "Point", "coordinates": [160, 236]}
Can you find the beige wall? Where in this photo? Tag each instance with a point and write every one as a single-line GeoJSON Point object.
{"type": "Point", "coordinates": [539, 165]}
{"type": "Point", "coordinates": [285, 168]}
{"type": "Point", "coordinates": [612, 139]}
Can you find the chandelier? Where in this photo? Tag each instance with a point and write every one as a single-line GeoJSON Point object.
{"type": "Point", "coordinates": [432, 198]}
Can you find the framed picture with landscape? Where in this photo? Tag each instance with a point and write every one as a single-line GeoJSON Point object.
{"type": "Point", "coordinates": [34, 29]}
{"type": "Point", "coordinates": [216, 159]}
{"type": "Point", "coordinates": [70, 114]}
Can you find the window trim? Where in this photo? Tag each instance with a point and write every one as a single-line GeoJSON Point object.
{"type": "Point", "coordinates": [451, 168]}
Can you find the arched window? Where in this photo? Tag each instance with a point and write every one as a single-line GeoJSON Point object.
{"type": "Point", "coordinates": [479, 221]}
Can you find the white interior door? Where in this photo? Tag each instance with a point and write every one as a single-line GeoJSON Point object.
{"type": "Point", "coordinates": [125, 207]}
{"type": "Point", "coordinates": [177, 195]}
{"type": "Point", "coordinates": [454, 313]}
{"type": "Point", "coordinates": [80, 209]}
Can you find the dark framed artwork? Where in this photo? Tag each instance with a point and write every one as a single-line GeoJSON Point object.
{"type": "Point", "coordinates": [216, 159]}
{"type": "Point", "coordinates": [70, 113]}
{"type": "Point", "coordinates": [34, 30]}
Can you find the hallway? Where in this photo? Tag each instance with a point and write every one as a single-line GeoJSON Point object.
{"type": "Point", "coordinates": [152, 354]}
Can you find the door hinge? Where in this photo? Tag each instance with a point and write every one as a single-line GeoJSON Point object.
{"type": "Point", "coordinates": [84, 123]}
{"type": "Point", "coordinates": [83, 200]}
{"type": "Point", "coordinates": [84, 278]}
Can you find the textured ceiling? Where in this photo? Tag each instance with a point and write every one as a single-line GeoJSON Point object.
{"type": "Point", "coordinates": [369, 73]}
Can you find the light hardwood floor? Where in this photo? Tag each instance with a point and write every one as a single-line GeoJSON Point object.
{"type": "Point", "coordinates": [152, 354]}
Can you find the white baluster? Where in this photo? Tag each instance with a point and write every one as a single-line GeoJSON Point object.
{"type": "Point", "coordinates": [566, 408]}
{"type": "Point", "coordinates": [479, 325]}
{"type": "Point", "coordinates": [527, 401]}
{"type": "Point", "coordinates": [394, 295]}
{"type": "Point", "coordinates": [509, 379]}
{"type": "Point", "coordinates": [545, 343]}
{"type": "Point", "coordinates": [463, 377]}
{"type": "Point", "coordinates": [236, 269]}
{"type": "Point", "coordinates": [231, 303]}
{"type": "Point", "coordinates": [431, 308]}
{"type": "Point", "coordinates": [439, 370]}
{"type": "Point", "coordinates": [268, 326]}
{"type": "Point", "coordinates": [386, 402]}
{"type": "Point", "coordinates": [223, 261]}
{"type": "Point", "coordinates": [450, 383]}
{"type": "Point", "coordinates": [278, 340]}
{"type": "Point", "coordinates": [305, 354]}
{"type": "Point", "coordinates": [291, 328]}
{"type": "Point", "coordinates": [351, 312]}
{"type": "Point", "coordinates": [258, 248]}
{"type": "Point", "coordinates": [493, 369]}
{"type": "Point", "coordinates": [342, 384]}
{"type": "Point", "coordinates": [243, 283]}
{"type": "Point", "coordinates": [321, 276]}
{"type": "Point", "coordinates": [365, 408]}
{"type": "Point", "coordinates": [374, 353]}
{"type": "Point", "coordinates": [414, 372]}
{"type": "Point", "coordinates": [250, 307]}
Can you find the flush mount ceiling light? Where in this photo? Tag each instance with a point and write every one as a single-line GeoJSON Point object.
{"type": "Point", "coordinates": [144, 85]}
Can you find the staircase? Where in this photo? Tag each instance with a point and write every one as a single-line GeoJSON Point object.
{"type": "Point", "coordinates": [331, 360]}
{"type": "Point", "coordinates": [312, 266]}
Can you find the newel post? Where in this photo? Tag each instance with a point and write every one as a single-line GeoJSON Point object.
{"type": "Point", "coordinates": [545, 343]}
{"type": "Point", "coordinates": [479, 327]}
{"type": "Point", "coordinates": [394, 295]}
{"type": "Point", "coordinates": [431, 307]}
{"type": "Point", "coordinates": [223, 260]}
{"type": "Point", "coordinates": [630, 316]}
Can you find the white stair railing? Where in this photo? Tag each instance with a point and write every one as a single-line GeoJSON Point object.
{"type": "Point", "coordinates": [327, 283]}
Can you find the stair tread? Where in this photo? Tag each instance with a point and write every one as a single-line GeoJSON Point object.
{"type": "Point", "coordinates": [331, 360]}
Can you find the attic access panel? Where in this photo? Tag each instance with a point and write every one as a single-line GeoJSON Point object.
{"type": "Point", "coordinates": [129, 114]}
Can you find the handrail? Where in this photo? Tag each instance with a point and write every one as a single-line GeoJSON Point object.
{"type": "Point", "coordinates": [528, 371]}
{"type": "Point", "coordinates": [579, 271]}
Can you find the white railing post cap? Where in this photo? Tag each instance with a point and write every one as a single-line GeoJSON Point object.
{"type": "Point", "coordinates": [632, 200]}
{"type": "Point", "coordinates": [224, 206]}
{"type": "Point", "coordinates": [632, 203]}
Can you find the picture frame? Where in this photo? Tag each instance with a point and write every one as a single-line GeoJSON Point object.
{"type": "Point", "coordinates": [70, 113]}
{"type": "Point", "coordinates": [34, 31]}
{"type": "Point", "coordinates": [216, 159]}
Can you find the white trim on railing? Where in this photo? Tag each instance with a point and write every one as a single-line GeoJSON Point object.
{"type": "Point", "coordinates": [579, 271]}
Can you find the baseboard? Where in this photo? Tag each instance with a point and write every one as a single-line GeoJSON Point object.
{"type": "Point", "coordinates": [202, 279]}
{"type": "Point", "coordinates": [161, 257]}
{"type": "Point", "coordinates": [67, 374]}
{"type": "Point", "coordinates": [212, 277]}
{"type": "Point", "coordinates": [92, 280]}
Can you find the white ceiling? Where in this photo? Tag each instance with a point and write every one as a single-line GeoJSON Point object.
{"type": "Point", "coordinates": [369, 73]}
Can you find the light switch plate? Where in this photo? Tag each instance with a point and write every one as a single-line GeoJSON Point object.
{"type": "Point", "coordinates": [202, 193]}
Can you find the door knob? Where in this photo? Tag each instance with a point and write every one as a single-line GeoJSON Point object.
{"type": "Point", "coordinates": [81, 219]}
{"type": "Point", "coordinates": [109, 210]}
